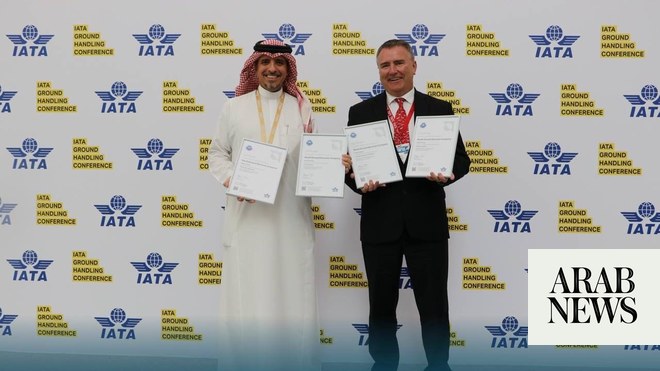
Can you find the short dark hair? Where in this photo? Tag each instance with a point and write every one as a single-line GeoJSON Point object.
{"type": "Point", "coordinates": [396, 42]}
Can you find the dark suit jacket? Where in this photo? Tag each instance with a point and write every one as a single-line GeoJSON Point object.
{"type": "Point", "coordinates": [416, 204]}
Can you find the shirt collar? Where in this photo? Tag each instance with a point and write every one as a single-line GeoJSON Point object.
{"type": "Point", "coordinates": [409, 97]}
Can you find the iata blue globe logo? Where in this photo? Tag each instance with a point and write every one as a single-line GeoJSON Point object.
{"type": "Point", "coordinates": [117, 202]}
{"type": "Point", "coordinates": [156, 32]}
{"type": "Point", "coordinates": [118, 315]}
{"type": "Point", "coordinates": [378, 88]}
{"type": "Point", "coordinates": [554, 33]}
{"type": "Point", "coordinates": [287, 31]}
{"type": "Point", "coordinates": [30, 32]}
{"type": "Point", "coordinates": [155, 145]}
{"type": "Point", "coordinates": [29, 145]}
{"type": "Point", "coordinates": [509, 324]}
{"type": "Point", "coordinates": [512, 208]}
{"type": "Point", "coordinates": [154, 260]}
{"type": "Point", "coordinates": [514, 91]}
{"type": "Point", "coordinates": [30, 257]}
{"type": "Point", "coordinates": [552, 150]}
{"type": "Point", "coordinates": [118, 89]}
{"type": "Point", "coordinates": [420, 31]}
{"type": "Point", "coordinates": [646, 210]}
{"type": "Point", "coordinates": [649, 92]}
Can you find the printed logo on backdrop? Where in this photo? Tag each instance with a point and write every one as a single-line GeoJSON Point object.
{"type": "Point", "coordinates": [175, 328]}
{"type": "Point", "coordinates": [554, 44]}
{"type": "Point", "coordinates": [118, 325]}
{"type": "Point", "coordinates": [321, 222]}
{"type": "Point", "coordinates": [613, 162]}
{"type": "Point", "coordinates": [514, 102]}
{"type": "Point", "coordinates": [118, 99]}
{"type": "Point", "coordinates": [84, 269]}
{"type": "Point", "coordinates": [209, 270]}
{"type": "Point", "coordinates": [483, 160]}
{"type": "Point", "coordinates": [5, 211]}
{"type": "Point", "coordinates": [29, 156]}
{"type": "Point", "coordinates": [156, 43]}
{"type": "Point", "coordinates": [512, 219]}
{"type": "Point", "coordinates": [50, 100]}
{"type": "Point", "coordinates": [87, 43]}
{"type": "Point", "coordinates": [229, 93]}
{"type": "Point", "coordinates": [646, 103]}
{"type": "Point", "coordinates": [428, 42]}
{"type": "Point", "coordinates": [177, 100]}
{"type": "Point", "coordinates": [319, 102]}
{"type": "Point", "coordinates": [5, 323]}
{"type": "Point", "coordinates": [214, 42]}
{"type": "Point", "coordinates": [509, 334]}
{"type": "Point", "coordinates": [87, 157]}
{"type": "Point", "coordinates": [480, 43]}
{"type": "Point", "coordinates": [177, 215]}
{"type": "Point", "coordinates": [454, 220]}
{"type": "Point", "coordinates": [5, 97]}
{"type": "Point", "coordinates": [325, 340]}
{"type": "Point", "coordinates": [614, 44]}
{"type": "Point", "coordinates": [117, 213]}
{"type": "Point", "coordinates": [287, 34]}
{"type": "Point", "coordinates": [552, 161]}
{"type": "Point", "coordinates": [644, 221]}
{"type": "Point", "coordinates": [52, 324]}
{"type": "Point", "coordinates": [641, 347]}
{"type": "Point", "coordinates": [577, 103]}
{"type": "Point", "coordinates": [349, 43]}
{"type": "Point", "coordinates": [155, 156]}
{"type": "Point", "coordinates": [29, 268]}
{"type": "Point", "coordinates": [29, 43]}
{"type": "Point", "coordinates": [342, 274]}
{"type": "Point", "coordinates": [363, 330]}
{"type": "Point", "coordinates": [204, 145]}
{"type": "Point", "coordinates": [154, 271]}
{"type": "Point", "coordinates": [480, 277]}
{"type": "Point", "coordinates": [51, 212]}
{"type": "Point", "coordinates": [574, 220]}
{"type": "Point", "coordinates": [376, 89]}
{"type": "Point", "coordinates": [435, 89]}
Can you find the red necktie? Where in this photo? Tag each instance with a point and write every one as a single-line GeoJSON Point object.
{"type": "Point", "coordinates": [400, 125]}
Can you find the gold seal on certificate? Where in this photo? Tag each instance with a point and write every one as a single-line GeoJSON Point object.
{"type": "Point", "coordinates": [257, 171]}
{"type": "Point", "coordinates": [433, 146]}
{"type": "Point", "coordinates": [320, 171]}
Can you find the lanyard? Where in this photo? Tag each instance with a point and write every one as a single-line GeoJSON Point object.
{"type": "Point", "coordinates": [408, 117]}
{"type": "Point", "coordinates": [276, 120]}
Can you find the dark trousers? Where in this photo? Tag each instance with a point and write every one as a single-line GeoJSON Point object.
{"type": "Point", "coordinates": [427, 265]}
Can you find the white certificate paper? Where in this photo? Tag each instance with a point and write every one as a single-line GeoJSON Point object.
{"type": "Point", "coordinates": [257, 171]}
{"type": "Point", "coordinates": [320, 170]}
{"type": "Point", "coordinates": [433, 146]}
{"type": "Point", "coordinates": [373, 154]}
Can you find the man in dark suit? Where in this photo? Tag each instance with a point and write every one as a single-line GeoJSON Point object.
{"type": "Point", "coordinates": [406, 218]}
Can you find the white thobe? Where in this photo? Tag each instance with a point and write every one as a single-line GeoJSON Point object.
{"type": "Point", "coordinates": [268, 304]}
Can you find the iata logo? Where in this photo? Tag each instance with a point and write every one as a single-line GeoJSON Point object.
{"type": "Point", "coordinates": [229, 93]}
{"type": "Point", "coordinates": [645, 221]}
{"type": "Point", "coordinates": [544, 165]}
{"type": "Point", "coordinates": [118, 326]}
{"type": "Point", "coordinates": [5, 209]}
{"type": "Point", "coordinates": [155, 156]}
{"type": "Point", "coordinates": [428, 41]}
{"type": "Point", "coordinates": [156, 43]}
{"type": "Point", "coordinates": [29, 43]}
{"type": "Point", "coordinates": [5, 97]}
{"type": "Point", "coordinates": [29, 156]}
{"type": "Point", "coordinates": [29, 267]}
{"type": "Point", "coordinates": [124, 217]}
{"type": "Point", "coordinates": [118, 99]}
{"type": "Point", "coordinates": [646, 103]}
{"type": "Point", "coordinates": [363, 329]}
{"type": "Point", "coordinates": [5, 322]}
{"type": "Point", "coordinates": [287, 34]}
{"type": "Point", "coordinates": [376, 89]}
{"type": "Point", "coordinates": [154, 270]}
{"type": "Point", "coordinates": [509, 335]}
{"type": "Point", "coordinates": [554, 44]}
{"type": "Point", "coordinates": [514, 102]}
{"type": "Point", "coordinates": [513, 219]}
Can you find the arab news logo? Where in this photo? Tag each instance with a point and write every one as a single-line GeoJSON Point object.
{"type": "Point", "coordinates": [161, 270]}
{"type": "Point", "coordinates": [29, 155]}
{"type": "Point", "coordinates": [513, 218]}
{"type": "Point", "coordinates": [646, 103]}
{"type": "Point", "coordinates": [514, 102]}
{"type": "Point", "coordinates": [29, 43]}
{"type": "Point", "coordinates": [375, 90]}
{"type": "Point", "coordinates": [118, 326]}
{"type": "Point", "coordinates": [118, 99]}
{"type": "Point", "coordinates": [554, 44]}
{"type": "Point", "coordinates": [363, 329]}
{"type": "Point", "coordinates": [287, 34]}
{"type": "Point", "coordinates": [29, 267]}
{"type": "Point", "coordinates": [5, 321]}
{"type": "Point", "coordinates": [552, 151]}
{"type": "Point", "coordinates": [125, 213]}
{"type": "Point", "coordinates": [156, 43]}
{"type": "Point", "coordinates": [155, 156]}
{"type": "Point", "coordinates": [637, 220]}
{"type": "Point", "coordinates": [404, 279]}
{"type": "Point", "coordinates": [5, 209]}
{"type": "Point", "coordinates": [5, 97]}
{"type": "Point", "coordinates": [428, 45]}
{"type": "Point", "coordinates": [509, 335]}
